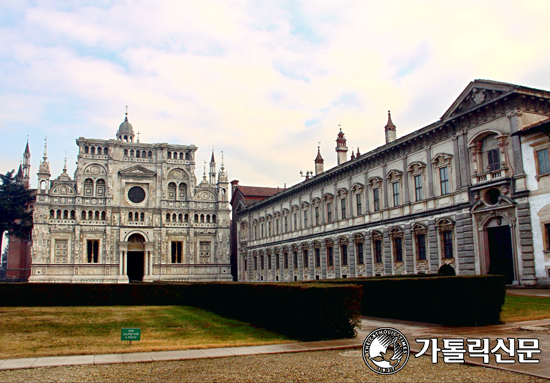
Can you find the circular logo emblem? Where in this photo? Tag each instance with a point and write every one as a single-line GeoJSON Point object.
{"type": "Point", "coordinates": [386, 351]}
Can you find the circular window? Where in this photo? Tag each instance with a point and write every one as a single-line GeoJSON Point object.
{"type": "Point", "coordinates": [491, 196]}
{"type": "Point", "coordinates": [136, 194]}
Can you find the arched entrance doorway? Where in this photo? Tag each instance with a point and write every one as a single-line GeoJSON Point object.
{"type": "Point", "coordinates": [136, 255]}
{"type": "Point", "coordinates": [501, 256]}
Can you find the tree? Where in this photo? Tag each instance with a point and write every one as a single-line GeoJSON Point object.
{"type": "Point", "coordinates": [15, 200]}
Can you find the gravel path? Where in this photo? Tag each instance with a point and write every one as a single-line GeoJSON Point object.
{"type": "Point", "coordinates": [320, 366]}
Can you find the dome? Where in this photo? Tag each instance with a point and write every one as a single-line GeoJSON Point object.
{"type": "Point", "coordinates": [125, 127]}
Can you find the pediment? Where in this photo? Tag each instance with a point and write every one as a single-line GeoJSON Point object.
{"type": "Point", "coordinates": [137, 171]}
{"type": "Point", "coordinates": [478, 92]}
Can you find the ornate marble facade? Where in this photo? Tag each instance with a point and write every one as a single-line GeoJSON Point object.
{"type": "Point", "coordinates": [452, 193]}
{"type": "Point", "coordinates": [133, 211]}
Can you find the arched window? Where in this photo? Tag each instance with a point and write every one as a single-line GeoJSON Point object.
{"type": "Point", "coordinates": [105, 151]}
{"type": "Point", "coordinates": [208, 218]}
{"type": "Point", "coordinates": [169, 155]}
{"type": "Point", "coordinates": [186, 218]}
{"type": "Point", "coordinates": [83, 215]}
{"type": "Point", "coordinates": [130, 217]}
{"type": "Point", "coordinates": [202, 218]}
{"type": "Point", "coordinates": [90, 215]}
{"type": "Point", "coordinates": [126, 138]}
{"type": "Point", "coordinates": [180, 218]}
{"type": "Point", "coordinates": [143, 154]}
{"type": "Point", "coordinates": [92, 150]}
{"type": "Point", "coordinates": [181, 156]}
{"type": "Point", "coordinates": [174, 217]}
{"type": "Point", "coordinates": [167, 217]}
{"type": "Point", "coordinates": [150, 154]}
{"type": "Point", "coordinates": [100, 188]}
{"type": "Point", "coordinates": [88, 187]}
{"type": "Point", "coordinates": [52, 214]}
{"type": "Point", "coordinates": [172, 191]}
{"type": "Point", "coordinates": [214, 218]}
{"type": "Point", "coordinates": [65, 214]}
{"type": "Point", "coordinates": [103, 216]}
{"type": "Point", "coordinates": [42, 185]}
{"type": "Point", "coordinates": [125, 152]}
{"type": "Point", "coordinates": [187, 156]}
{"type": "Point", "coordinates": [196, 218]}
{"type": "Point", "coordinates": [97, 216]}
{"type": "Point", "coordinates": [131, 153]}
{"type": "Point", "coordinates": [142, 217]}
{"type": "Point", "coordinates": [136, 238]}
{"type": "Point", "coordinates": [86, 150]}
{"type": "Point", "coordinates": [59, 214]}
{"type": "Point", "coordinates": [138, 154]}
{"type": "Point", "coordinates": [136, 216]}
{"type": "Point", "coordinates": [99, 151]}
{"type": "Point", "coordinates": [182, 191]}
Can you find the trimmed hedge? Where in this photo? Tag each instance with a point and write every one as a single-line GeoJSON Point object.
{"type": "Point", "coordinates": [453, 300]}
{"type": "Point", "coordinates": [309, 312]}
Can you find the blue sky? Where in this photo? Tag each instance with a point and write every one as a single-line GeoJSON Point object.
{"type": "Point", "coordinates": [263, 80]}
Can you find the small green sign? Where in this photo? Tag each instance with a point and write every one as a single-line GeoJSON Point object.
{"type": "Point", "coordinates": [130, 334]}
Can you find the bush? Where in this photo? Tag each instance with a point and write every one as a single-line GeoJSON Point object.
{"type": "Point", "coordinates": [454, 300]}
{"type": "Point", "coordinates": [309, 312]}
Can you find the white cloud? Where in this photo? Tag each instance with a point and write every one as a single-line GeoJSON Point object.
{"type": "Point", "coordinates": [263, 80]}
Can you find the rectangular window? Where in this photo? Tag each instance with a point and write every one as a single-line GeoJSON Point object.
{"type": "Point", "coordinates": [547, 232]}
{"type": "Point", "coordinates": [306, 258]}
{"type": "Point", "coordinates": [395, 187]}
{"type": "Point", "coordinates": [444, 177]}
{"type": "Point", "coordinates": [542, 160]}
{"type": "Point", "coordinates": [421, 247]}
{"type": "Point", "coordinates": [255, 263]}
{"type": "Point", "coordinates": [93, 250]}
{"type": "Point", "coordinates": [329, 212]}
{"type": "Point", "coordinates": [261, 262]}
{"type": "Point", "coordinates": [360, 258]}
{"type": "Point", "coordinates": [269, 229]}
{"type": "Point", "coordinates": [177, 252]}
{"type": "Point", "coordinates": [305, 219]}
{"type": "Point", "coordinates": [262, 230]}
{"type": "Point", "coordinates": [378, 251]}
{"type": "Point", "coordinates": [204, 247]}
{"type": "Point", "coordinates": [277, 260]}
{"type": "Point", "coordinates": [343, 205]}
{"type": "Point", "coordinates": [277, 226]}
{"type": "Point", "coordinates": [344, 249]}
{"type": "Point", "coordinates": [286, 224]}
{"type": "Point", "coordinates": [330, 256]}
{"type": "Point", "coordinates": [398, 249]}
{"type": "Point", "coordinates": [317, 257]}
{"type": "Point", "coordinates": [317, 215]}
{"type": "Point", "coordinates": [269, 261]}
{"type": "Point", "coordinates": [285, 260]}
{"type": "Point", "coordinates": [493, 157]}
{"type": "Point", "coordinates": [295, 259]}
{"type": "Point", "coordinates": [61, 250]}
{"type": "Point", "coordinates": [448, 244]}
{"type": "Point", "coordinates": [418, 187]}
{"type": "Point", "coordinates": [295, 221]}
{"type": "Point", "coordinates": [376, 199]}
{"type": "Point", "coordinates": [359, 205]}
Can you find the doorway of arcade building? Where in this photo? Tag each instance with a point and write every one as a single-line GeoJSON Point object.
{"type": "Point", "coordinates": [135, 260]}
{"type": "Point", "coordinates": [501, 256]}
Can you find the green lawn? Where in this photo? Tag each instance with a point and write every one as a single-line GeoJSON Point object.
{"type": "Point", "coordinates": [47, 331]}
{"type": "Point", "coordinates": [518, 308]}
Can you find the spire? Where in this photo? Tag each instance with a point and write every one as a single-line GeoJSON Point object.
{"type": "Point", "coordinates": [65, 164]}
{"type": "Point", "coordinates": [352, 155]}
{"type": "Point", "coordinates": [358, 153]}
{"type": "Point", "coordinates": [390, 128]}
{"type": "Point", "coordinates": [27, 150]}
{"type": "Point", "coordinates": [212, 168]}
{"type": "Point", "coordinates": [222, 176]}
{"type": "Point", "coordinates": [212, 159]}
{"type": "Point", "coordinates": [319, 162]}
{"type": "Point", "coordinates": [46, 149]}
{"type": "Point", "coordinates": [26, 166]}
{"type": "Point", "coordinates": [44, 168]}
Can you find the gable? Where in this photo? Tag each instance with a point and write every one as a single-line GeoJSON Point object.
{"type": "Point", "coordinates": [137, 171]}
{"type": "Point", "coordinates": [478, 92]}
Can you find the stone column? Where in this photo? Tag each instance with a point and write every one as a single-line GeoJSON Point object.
{"type": "Point", "coordinates": [433, 247]}
{"type": "Point", "coordinates": [405, 177]}
{"type": "Point", "coordinates": [429, 172]}
{"type": "Point", "coordinates": [409, 254]}
{"type": "Point", "coordinates": [388, 261]}
{"type": "Point", "coordinates": [385, 183]}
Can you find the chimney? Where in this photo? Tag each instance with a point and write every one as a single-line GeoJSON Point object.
{"type": "Point", "coordinates": [234, 185]}
{"type": "Point", "coordinates": [391, 133]}
{"type": "Point", "coordinates": [341, 148]}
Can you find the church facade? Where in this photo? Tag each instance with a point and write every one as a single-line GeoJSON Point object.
{"type": "Point", "coordinates": [133, 212]}
{"type": "Point", "coordinates": [463, 193]}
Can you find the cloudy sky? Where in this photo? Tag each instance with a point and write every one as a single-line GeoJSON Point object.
{"type": "Point", "coordinates": [263, 80]}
